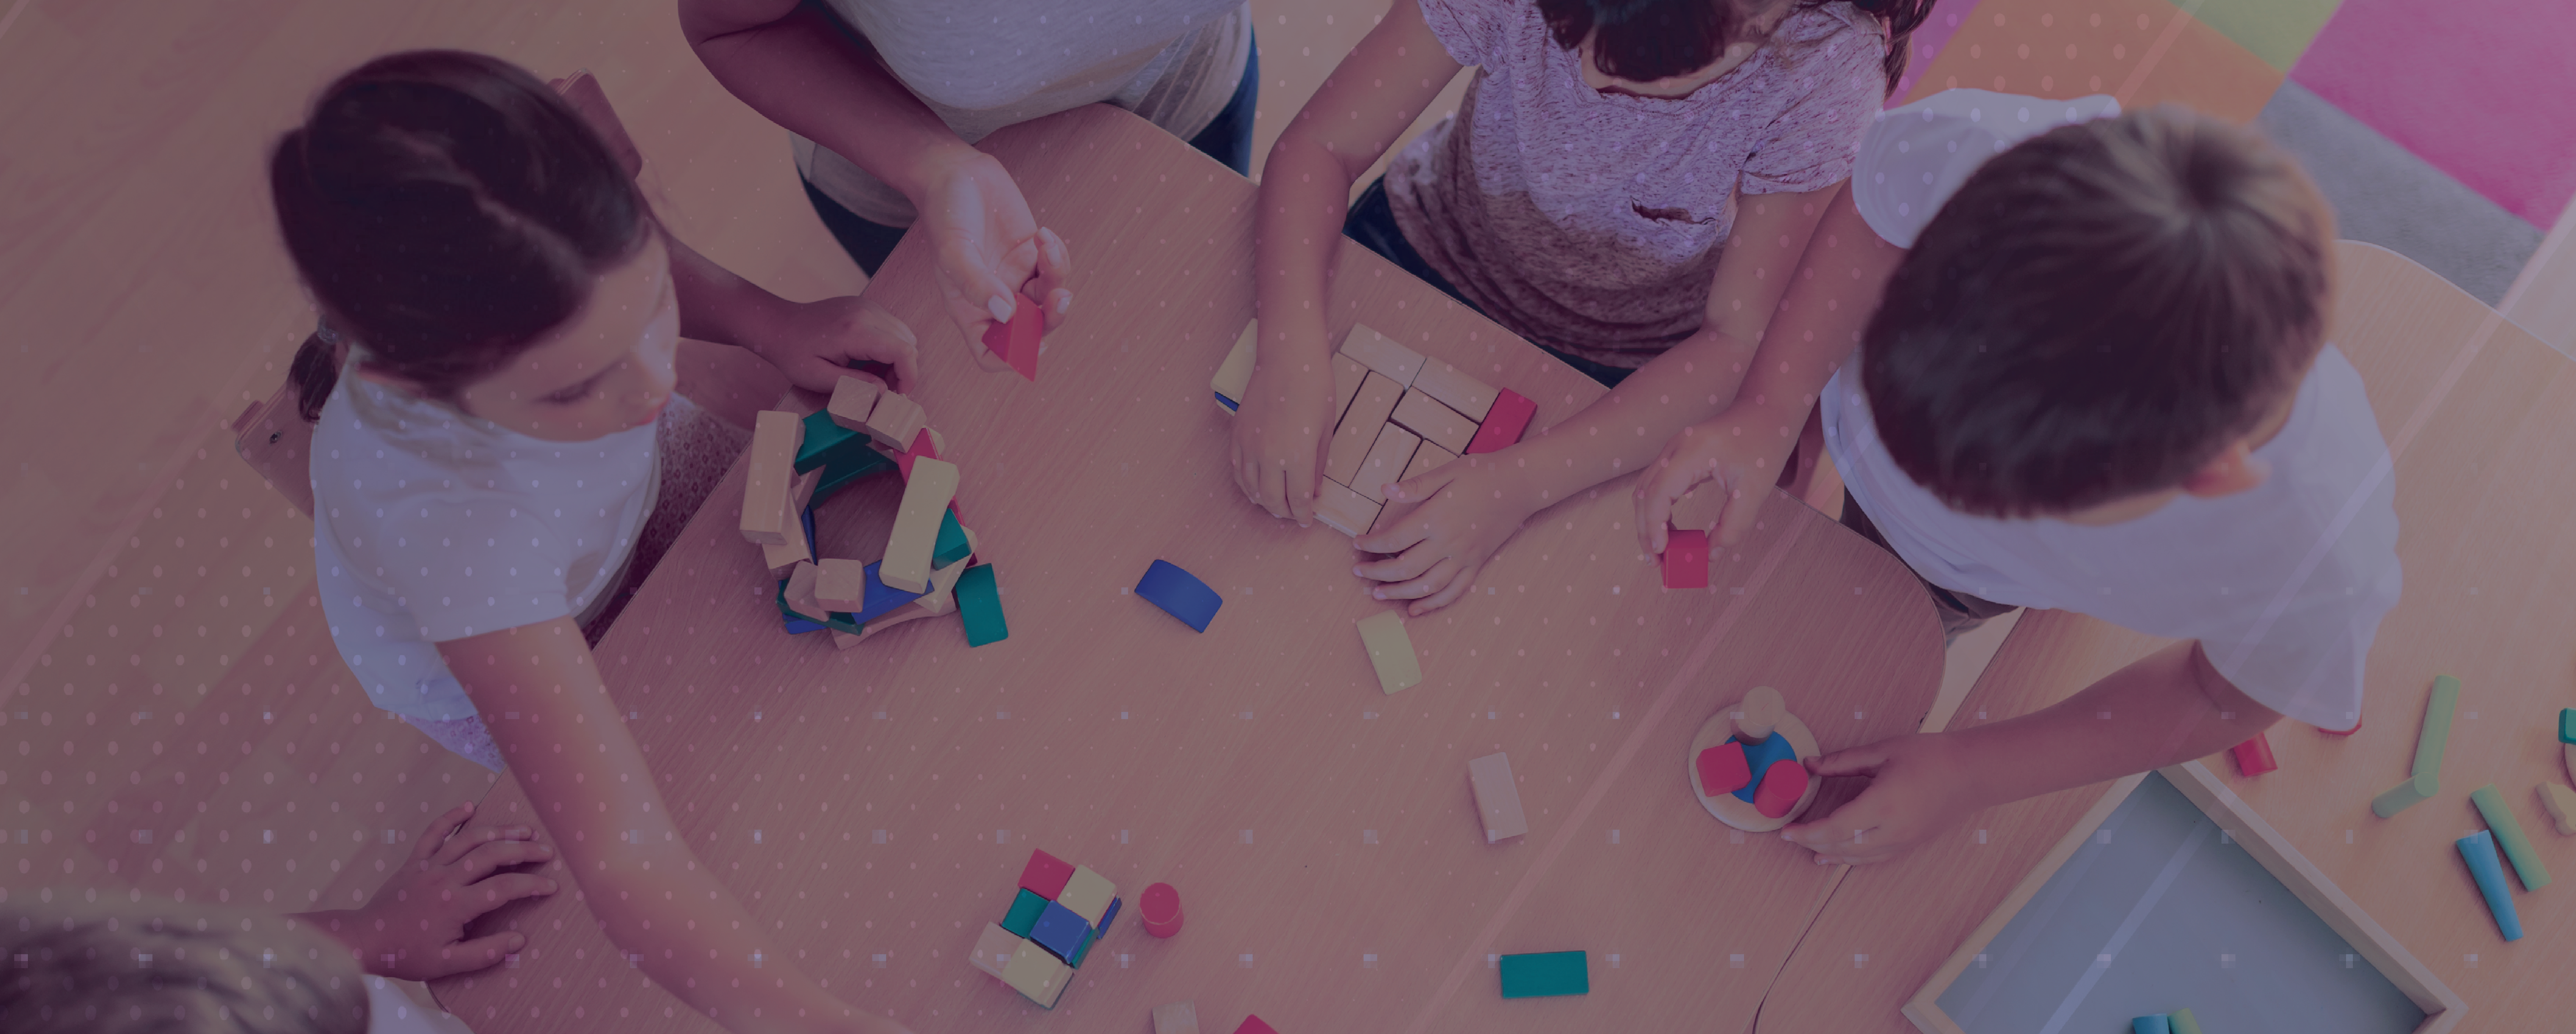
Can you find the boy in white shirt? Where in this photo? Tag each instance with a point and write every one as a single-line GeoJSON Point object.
{"type": "Point", "coordinates": [2096, 380]}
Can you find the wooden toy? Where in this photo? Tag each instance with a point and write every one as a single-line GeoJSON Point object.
{"type": "Point", "coordinates": [2182, 1022]}
{"type": "Point", "coordinates": [1783, 785]}
{"type": "Point", "coordinates": [1426, 459]}
{"type": "Point", "coordinates": [950, 546]}
{"type": "Point", "coordinates": [841, 584]}
{"type": "Point", "coordinates": [879, 598]}
{"type": "Point", "coordinates": [1037, 974]}
{"type": "Point", "coordinates": [1545, 974]}
{"type": "Point", "coordinates": [863, 463]}
{"type": "Point", "coordinates": [2156, 1024]}
{"type": "Point", "coordinates": [800, 591]}
{"type": "Point", "coordinates": [1045, 875]}
{"type": "Point", "coordinates": [843, 640]}
{"type": "Point", "coordinates": [1107, 916]}
{"type": "Point", "coordinates": [800, 492]}
{"type": "Point", "coordinates": [2508, 835]}
{"type": "Point", "coordinates": [2415, 790]}
{"type": "Point", "coordinates": [1685, 559]}
{"type": "Point", "coordinates": [1440, 425]}
{"type": "Point", "coordinates": [1723, 769]}
{"type": "Point", "coordinates": [994, 948]}
{"type": "Point", "coordinates": [2254, 756]}
{"type": "Point", "coordinates": [797, 549]}
{"type": "Point", "coordinates": [1504, 423]}
{"type": "Point", "coordinates": [1358, 431]}
{"type": "Point", "coordinates": [1180, 594]}
{"type": "Point", "coordinates": [827, 442]}
{"type": "Point", "coordinates": [1453, 388]}
{"type": "Point", "coordinates": [1160, 910]}
{"type": "Point", "coordinates": [2479, 851]}
{"type": "Point", "coordinates": [1498, 798]}
{"type": "Point", "coordinates": [1346, 511]}
{"type": "Point", "coordinates": [799, 626]}
{"type": "Point", "coordinates": [1390, 651]}
{"type": "Point", "coordinates": [1762, 711]}
{"type": "Point", "coordinates": [924, 445]}
{"type": "Point", "coordinates": [1382, 354]}
{"type": "Point", "coordinates": [1253, 1025]}
{"type": "Point", "coordinates": [1057, 931]}
{"type": "Point", "coordinates": [1386, 462]}
{"type": "Point", "coordinates": [1176, 1018]}
{"type": "Point", "coordinates": [1348, 375]}
{"type": "Point", "coordinates": [916, 525]}
{"type": "Point", "coordinates": [852, 400]}
{"type": "Point", "coordinates": [979, 601]}
{"type": "Point", "coordinates": [2561, 803]}
{"type": "Point", "coordinates": [1061, 932]}
{"type": "Point", "coordinates": [2437, 725]}
{"type": "Point", "coordinates": [775, 437]}
{"type": "Point", "coordinates": [2567, 740]}
{"type": "Point", "coordinates": [1235, 374]}
{"type": "Point", "coordinates": [895, 420]}
{"type": "Point", "coordinates": [1026, 907]}
{"type": "Point", "coordinates": [1017, 341]}
{"type": "Point", "coordinates": [1087, 894]}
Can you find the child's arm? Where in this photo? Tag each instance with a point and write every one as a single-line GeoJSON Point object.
{"type": "Point", "coordinates": [1469, 508]}
{"type": "Point", "coordinates": [2168, 707]}
{"type": "Point", "coordinates": [1742, 449]}
{"type": "Point", "coordinates": [813, 343]}
{"type": "Point", "coordinates": [789, 62]}
{"type": "Point", "coordinates": [590, 786]}
{"type": "Point", "coordinates": [413, 927]}
{"type": "Point", "coordinates": [1370, 98]}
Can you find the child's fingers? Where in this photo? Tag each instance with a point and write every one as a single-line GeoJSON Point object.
{"type": "Point", "coordinates": [499, 853]}
{"type": "Point", "coordinates": [468, 956]}
{"type": "Point", "coordinates": [1735, 519]}
{"type": "Point", "coordinates": [440, 828]}
{"type": "Point", "coordinates": [1053, 277]}
{"type": "Point", "coordinates": [1394, 543]}
{"type": "Point", "coordinates": [1434, 580]}
{"type": "Point", "coordinates": [1270, 487]}
{"type": "Point", "coordinates": [458, 844]}
{"type": "Point", "coordinates": [1856, 761]}
{"type": "Point", "coordinates": [1297, 487]}
{"type": "Point", "coordinates": [1460, 580]}
{"type": "Point", "coordinates": [503, 889]}
{"type": "Point", "coordinates": [1848, 828]}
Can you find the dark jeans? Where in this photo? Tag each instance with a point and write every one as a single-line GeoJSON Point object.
{"type": "Point", "coordinates": [1372, 224]}
{"type": "Point", "coordinates": [1960, 612]}
{"type": "Point", "coordinates": [1228, 140]}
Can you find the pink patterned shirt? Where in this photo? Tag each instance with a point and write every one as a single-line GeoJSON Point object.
{"type": "Point", "coordinates": [1589, 222]}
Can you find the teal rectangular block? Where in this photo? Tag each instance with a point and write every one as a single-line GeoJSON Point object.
{"type": "Point", "coordinates": [951, 546]}
{"type": "Point", "coordinates": [2567, 725]}
{"type": "Point", "coordinates": [2156, 1024]}
{"type": "Point", "coordinates": [979, 603]}
{"type": "Point", "coordinates": [2479, 851]}
{"type": "Point", "coordinates": [1024, 913]}
{"type": "Point", "coordinates": [1546, 974]}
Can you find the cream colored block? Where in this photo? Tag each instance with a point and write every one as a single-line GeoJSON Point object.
{"type": "Point", "coordinates": [1438, 424]}
{"type": "Point", "coordinates": [1453, 388]}
{"type": "Point", "coordinates": [1087, 894]}
{"type": "Point", "coordinates": [1426, 459]}
{"type": "Point", "coordinates": [1358, 431]}
{"type": "Point", "coordinates": [775, 437]}
{"type": "Point", "coordinates": [840, 584]}
{"type": "Point", "coordinates": [993, 950]}
{"type": "Point", "coordinates": [895, 421]}
{"type": "Point", "coordinates": [1176, 1018]}
{"type": "Point", "coordinates": [1382, 354]}
{"type": "Point", "coordinates": [793, 550]}
{"type": "Point", "coordinates": [2561, 803]}
{"type": "Point", "coordinates": [1386, 462]}
{"type": "Point", "coordinates": [1346, 511]}
{"type": "Point", "coordinates": [916, 525]}
{"type": "Point", "coordinates": [1348, 375]}
{"type": "Point", "coordinates": [1390, 651]}
{"type": "Point", "coordinates": [852, 400]}
{"type": "Point", "coordinates": [1498, 798]}
{"type": "Point", "coordinates": [1035, 973]}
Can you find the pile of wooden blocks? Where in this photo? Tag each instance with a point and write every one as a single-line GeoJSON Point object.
{"type": "Point", "coordinates": [797, 463]}
{"type": "Point", "coordinates": [1398, 415]}
{"type": "Point", "coordinates": [1060, 911]}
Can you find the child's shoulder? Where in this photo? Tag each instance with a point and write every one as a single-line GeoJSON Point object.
{"type": "Point", "coordinates": [1912, 158]}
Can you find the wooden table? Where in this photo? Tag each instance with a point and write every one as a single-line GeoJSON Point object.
{"type": "Point", "coordinates": [2480, 417]}
{"type": "Point", "coordinates": [874, 807]}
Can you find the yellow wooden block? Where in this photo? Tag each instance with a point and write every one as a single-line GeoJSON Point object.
{"type": "Point", "coordinates": [1235, 374]}
{"type": "Point", "coordinates": [1382, 354]}
{"type": "Point", "coordinates": [1346, 511]}
{"type": "Point", "coordinates": [1035, 973]}
{"type": "Point", "coordinates": [793, 550]}
{"type": "Point", "coordinates": [1440, 425]}
{"type": "Point", "coordinates": [1390, 651]}
{"type": "Point", "coordinates": [1358, 432]}
{"type": "Point", "coordinates": [1087, 894]}
{"type": "Point", "coordinates": [775, 437]}
{"type": "Point", "coordinates": [852, 400]}
{"type": "Point", "coordinates": [895, 421]}
{"type": "Point", "coordinates": [1386, 462]}
{"type": "Point", "coordinates": [1498, 798]}
{"type": "Point", "coordinates": [1453, 388]}
{"type": "Point", "coordinates": [1176, 1018]}
{"type": "Point", "coordinates": [916, 525]}
{"type": "Point", "coordinates": [994, 948]}
{"type": "Point", "coordinates": [1426, 459]}
{"type": "Point", "coordinates": [1348, 375]}
{"type": "Point", "coordinates": [2561, 803]}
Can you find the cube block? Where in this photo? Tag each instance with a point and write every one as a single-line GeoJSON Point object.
{"type": "Point", "coordinates": [1026, 907]}
{"type": "Point", "coordinates": [1045, 875]}
{"type": "Point", "coordinates": [1087, 894]}
{"type": "Point", "coordinates": [1060, 931]}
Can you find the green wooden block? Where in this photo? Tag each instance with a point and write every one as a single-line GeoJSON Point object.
{"type": "Point", "coordinates": [1545, 974]}
{"type": "Point", "coordinates": [2508, 834]}
{"type": "Point", "coordinates": [2437, 725]}
{"type": "Point", "coordinates": [2415, 790]}
{"type": "Point", "coordinates": [826, 441]}
{"type": "Point", "coordinates": [2182, 1022]}
{"type": "Point", "coordinates": [2567, 725]}
{"type": "Point", "coordinates": [842, 472]}
{"type": "Point", "coordinates": [951, 545]}
{"type": "Point", "coordinates": [1024, 913]}
{"type": "Point", "coordinates": [979, 603]}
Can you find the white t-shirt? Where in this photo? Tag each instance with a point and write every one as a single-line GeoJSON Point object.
{"type": "Point", "coordinates": [431, 525]}
{"type": "Point", "coordinates": [2284, 585]}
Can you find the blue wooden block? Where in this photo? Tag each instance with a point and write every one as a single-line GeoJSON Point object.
{"type": "Point", "coordinates": [1062, 931]}
{"type": "Point", "coordinates": [880, 598]}
{"type": "Point", "coordinates": [1545, 974]}
{"type": "Point", "coordinates": [1106, 916]}
{"type": "Point", "coordinates": [1758, 758]}
{"type": "Point", "coordinates": [1180, 594]}
{"type": "Point", "coordinates": [800, 626]}
{"type": "Point", "coordinates": [811, 552]}
{"type": "Point", "coordinates": [2156, 1024]}
{"type": "Point", "coordinates": [1229, 404]}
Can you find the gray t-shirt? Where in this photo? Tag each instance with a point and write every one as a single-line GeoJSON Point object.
{"type": "Point", "coordinates": [984, 64]}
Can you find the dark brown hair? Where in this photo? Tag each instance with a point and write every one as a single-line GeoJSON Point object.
{"type": "Point", "coordinates": [1645, 40]}
{"type": "Point", "coordinates": [2097, 312]}
{"type": "Point", "coordinates": [157, 966]}
{"type": "Point", "coordinates": [446, 208]}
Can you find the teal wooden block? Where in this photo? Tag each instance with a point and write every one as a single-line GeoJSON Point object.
{"type": "Point", "coordinates": [844, 472]}
{"type": "Point", "coordinates": [2156, 1024]}
{"type": "Point", "coordinates": [1025, 910]}
{"type": "Point", "coordinates": [951, 546]}
{"type": "Point", "coordinates": [2508, 835]}
{"type": "Point", "coordinates": [2567, 725]}
{"type": "Point", "coordinates": [827, 442]}
{"type": "Point", "coordinates": [1545, 974]}
{"type": "Point", "coordinates": [979, 603]}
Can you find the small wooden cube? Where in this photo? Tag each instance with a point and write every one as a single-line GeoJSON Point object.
{"type": "Point", "coordinates": [1382, 354]}
{"type": "Point", "coordinates": [1087, 894]}
{"type": "Point", "coordinates": [895, 420]}
{"type": "Point", "coordinates": [1453, 388]}
{"type": "Point", "coordinates": [993, 950]}
{"type": "Point", "coordinates": [841, 585]}
{"type": "Point", "coordinates": [1346, 511]}
{"type": "Point", "coordinates": [1035, 973]}
{"type": "Point", "coordinates": [1358, 431]}
{"type": "Point", "coordinates": [1386, 462]}
{"type": "Point", "coordinates": [1498, 798]}
{"type": "Point", "coordinates": [775, 437]}
{"type": "Point", "coordinates": [852, 400]}
{"type": "Point", "coordinates": [1438, 424]}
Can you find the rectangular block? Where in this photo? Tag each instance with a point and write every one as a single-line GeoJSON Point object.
{"type": "Point", "coordinates": [2478, 850]}
{"type": "Point", "coordinates": [1179, 593]}
{"type": "Point", "coordinates": [1498, 798]}
{"type": "Point", "coordinates": [1176, 1018]}
{"type": "Point", "coordinates": [2254, 756]}
{"type": "Point", "coordinates": [2509, 836]}
{"type": "Point", "coordinates": [1235, 374]}
{"type": "Point", "coordinates": [1348, 375]}
{"type": "Point", "coordinates": [1390, 651]}
{"type": "Point", "coordinates": [841, 584]}
{"type": "Point", "coordinates": [895, 420]}
{"type": "Point", "coordinates": [993, 950]}
{"type": "Point", "coordinates": [852, 400]}
{"type": "Point", "coordinates": [775, 437]}
{"type": "Point", "coordinates": [1036, 974]}
{"type": "Point", "coordinates": [1545, 974]}
{"type": "Point", "coordinates": [1360, 424]}
{"type": "Point", "coordinates": [2415, 790]}
{"type": "Point", "coordinates": [1382, 354]}
{"type": "Point", "coordinates": [800, 592]}
{"type": "Point", "coordinates": [1087, 894]}
{"type": "Point", "coordinates": [798, 547]}
{"type": "Point", "coordinates": [916, 524]}
{"type": "Point", "coordinates": [2561, 803]}
{"type": "Point", "coordinates": [1453, 388]}
{"type": "Point", "coordinates": [1426, 459]}
{"type": "Point", "coordinates": [951, 546]}
{"type": "Point", "coordinates": [1346, 511]}
{"type": "Point", "coordinates": [979, 602]}
{"type": "Point", "coordinates": [2182, 1022]}
{"type": "Point", "coordinates": [2437, 725]}
{"type": "Point", "coordinates": [1438, 424]}
{"type": "Point", "coordinates": [1386, 462]}
{"type": "Point", "coordinates": [861, 463]}
{"type": "Point", "coordinates": [827, 442]}
{"type": "Point", "coordinates": [1504, 424]}
{"type": "Point", "coordinates": [2567, 725]}
{"type": "Point", "coordinates": [1685, 559]}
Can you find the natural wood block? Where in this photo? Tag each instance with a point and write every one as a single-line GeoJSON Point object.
{"type": "Point", "coordinates": [1498, 798]}
{"type": "Point", "coordinates": [1741, 812]}
{"type": "Point", "coordinates": [1437, 424]}
{"type": "Point", "coordinates": [1761, 712]}
{"type": "Point", "coordinates": [1386, 462]}
{"type": "Point", "coordinates": [916, 524]}
{"type": "Point", "coordinates": [1347, 511]}
{"type": "Point", "coordinates": [1235, 374]}
{"type": "Point", "coordinates": [1426, 459]}
{"type": "Point", "coordinates": [797, 549]}
{"type": "Point", "coordinates": [774, 438]}
{"type": "Point", "coordinates": [840, 584]}
{"type": "Point", "coordinates": [1453, 388]}
{"type": "Point", "coordinates": [1348, 375]}
{"type": "Point", "coordinates": [1087, 894]}
{"type": "Point", "coordinates": [993, 950]}
{"type": "Point", "coordinates": [2561, 803]}
{"type": "Point", "coordinates": [1358, 431]}
{"type": "Point", "coordinates": [801, 494]}
{"type": "Point", "coordinates": [1035, 973]}
{"type": "Point", "coordinates": [1382, 354]}
{"type": "Point", "coordinates": [942, 597]}
{"type": "Point", "coordinates": [800, 589]}
{"type": "Point", "coordinates": [853, 399]}
{"type": "Point", "coordinates": [1390, 651]}
{"type": "Point", "coordinates": [895, 420]}
{"type": "Point", "coordinates": [1176, 1018]}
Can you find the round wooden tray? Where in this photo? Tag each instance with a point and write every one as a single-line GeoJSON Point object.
{"type": "Point", "coordinates": [1728, 809]}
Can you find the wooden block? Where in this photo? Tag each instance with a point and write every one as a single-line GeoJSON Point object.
{"type": "Point", "coordinates": [1382, 354]}
{"type": "Point", "coordinates": [2509, 836]}
{"type": "Point", "coordinates": [1026, 906]}
{"type": "Point", "coordinates": [941, 600]}
{"type": "Point", "coordinates": [1761, 712]}
{"type": "Point", "coordinates": [2478, 850]}
{"type": "Point", "coordinates": [1453, 388]}
{"type": "Point", "coordinates": [1436, 423]}
{"type": "Point", "coordinates": [2567, 725]}
{"type": "Point", "coordinates": [993, 950]}
{"type": "Point", "coordinates": [2156, 1024]}
{"type": "Point", "coordinates": [843, 640]}
{"type": "Point", "coordinates": [1045, 875]}
{"type": "Point", "coordinates": [1504, 424]}
{"type": "Point", "coordinates": [1685, 559]}
{"type": "Point", "coordinates": [1035, 973]}
{"type": "Point", "coordinates": [1160, 910]}
{"type": "Point", "coordinates": [852, 400]}
{"type": "Point", "coordinates": [801, 494]}
{"type": "Point", "coordinates": [1498, 798]}
{"type": "Point", "coordinates": [1235, 374]}
{"type": "Point", "coordinates": [1179, 593]}
{"type": "Point", "coordinates": [1253, 1025]}
{"type": "Point", "coordinates": [798, 547]}
{"type": "Point", "coordinates": [1386, 462]}
{"type": "Point", "coordinates": [800, 590]}
{"type": "Point", "coordinates": [2437, 725]}
{"type": "Point", "coordinates": [1087, 894]}
{"type": "Point", "coordinates": [1390, 651]}
{"type": "Point", "coordinates": [774, 439]}
{"type": "Point", "coordinates": [1017, 341]}
{"type": "Point", "coordinates": [979, 602]}
{"type": "Point", "coordinates": [2182, 1022]}
{"type": "Point", "coordinates": [1723, 769]}
{"type": "Point", "coordinates": [2254, 756]}
{"type": "Point", "coordinates": [938, 442]}
{"type": "Point", "coordinates": [1426, 459]}
{"type": "Point", "coordinates": [841, 585]}
{"type": "Point", "coordinates": [1783, 783]}
{"type": "Point", "coordinates": [1545, 974]}
{"type": "Point", "coordinates": [895, 420]}
{"type": "Point", "coordinates": [916, 524]}
{"type": "Point", "coordinates": [2415, 790]}
{"type": "Point", "coordinates": [1348, 375]}
{"type": "Point", "coordinates": [1346, 511]}
{"type": "Point", "coordinates": [1759, 758]}
{"type": "Point", "coordinates": [1358, 431]}
{"type": "Point", "coordinates": [1176, 1018]}
{"type": "Point", "coordinates": [2561, 803]}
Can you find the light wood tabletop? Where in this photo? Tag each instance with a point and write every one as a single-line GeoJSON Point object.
{"type": "Point", "coordinates": [874, 806]}
{"type": "Point", "coordinates": [2480, 417]}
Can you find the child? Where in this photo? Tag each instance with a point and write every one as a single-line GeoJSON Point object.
{"type": "Point", "coordinates": [483, 474]}
{"type": "Point", "coordinates": [167, 966]}
{"type": "Point", "coordinates": [1620, 187]}
{"type": "Point", "coordinates": [2097, 381]}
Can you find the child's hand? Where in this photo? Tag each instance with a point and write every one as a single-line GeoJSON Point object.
{"type": "Point", "coordinates": [1280, 433]}
{"type": "Point", "coordinates": [1463, 511]}
{"type": "Point", "coordinates": [419, 915]}
{"type": "Point", "coordinates": [1920, 785]}
{"type": "Point", "coordinates": [989, 250]}
{"type": "Point", "coordinates": [1742, 464]}
{"type": "Point", "coordinates": [814, 343]}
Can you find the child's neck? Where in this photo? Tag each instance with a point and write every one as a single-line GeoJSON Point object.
{"type": "Point", "coordinates": [1669, 87]}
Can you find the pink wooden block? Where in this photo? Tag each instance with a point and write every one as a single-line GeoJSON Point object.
{"type": "Point", "coordinates": [1017, 341]}
{"type": "Point", "coordinates": [1685, 559]}
{"type": "Point", "coordinates": [1722, 769]}
{"type": "Point", "coordinates": [2254, 756]}
{"type": "Point", "coordinates": [1160, 910]}
{"type": "Point", "coordinates": [1045, 875]}
{"type": "Point", "coordinates": [1504, 423]}
{"type": "Point", "coordinates": [1782, 784]}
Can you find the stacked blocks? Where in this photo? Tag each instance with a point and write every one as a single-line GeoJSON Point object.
{"type": "Point", "coordinates": [1060, 911]}
{"type": "Point", "coordinates": [1764, 756]}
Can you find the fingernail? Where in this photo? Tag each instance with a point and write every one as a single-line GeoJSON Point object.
{"type": "Point", "coordinates": [1000, 307]}
{"type": "Point", "coordinates": [552, 886]}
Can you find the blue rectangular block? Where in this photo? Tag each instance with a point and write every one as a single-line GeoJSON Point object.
{"type": "Point", "coordinates": [1106, 917]}
{"type": "Point", "coordinates": [1758, 758]}
{"type": "Point", "coordinates": [1180, 594]}
{"type": "Point", "coordinates": [880, 598]}
{"type": "Point", "coordinates": [1062, 931]}
{"type": "Point", "coordinates": [800, 626]}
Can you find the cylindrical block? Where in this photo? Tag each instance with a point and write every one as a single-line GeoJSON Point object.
{"type": "Point", "coordinates": [2415, 790]}
{"type": "Point", "coordinates": [2478, 849]}
{"type": "Point", "coordinates": [2156, 1024]}
{"type": "Point", "coordinates": [1160, 910]}
{"type": "Point", "coordinates": [2183, 1022]}
{"type": "Point", "coordinates": [2508, 835]}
